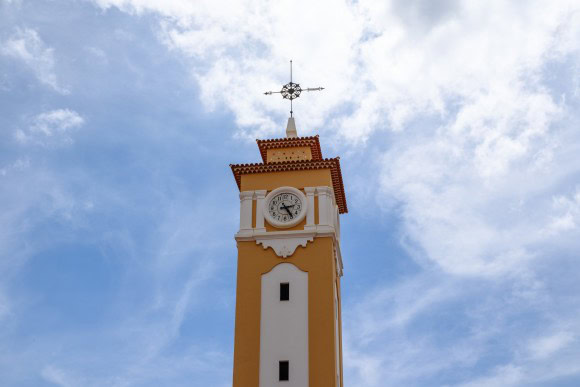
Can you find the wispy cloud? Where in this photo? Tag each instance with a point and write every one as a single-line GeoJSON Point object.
{"type": "Point", "coordinates": [566, 213]}
{"type": "Point", "coordinates": [51, 128]}
{"type": "Point", "coordinates": [58, 377]}
{"type": "Point", "coordinates": [5, 307]}
{"type": "Point", "coordinates": [437, 330]}
{"type": "Point", "coordinates": [546, 346]}
{"type": "Point", "coordinates": [168, 283]}
{"type": "Point", "coordinates": [26, 45]}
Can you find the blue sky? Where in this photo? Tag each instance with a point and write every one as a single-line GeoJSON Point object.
{"type": "Point", "coordinates": [457, 125]}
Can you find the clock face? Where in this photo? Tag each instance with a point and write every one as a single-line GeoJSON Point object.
{"type": "Point", "coordinates": [285, 207]}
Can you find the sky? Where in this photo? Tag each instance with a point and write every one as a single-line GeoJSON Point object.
{"type": "Point", "coordinates": [457, 124]}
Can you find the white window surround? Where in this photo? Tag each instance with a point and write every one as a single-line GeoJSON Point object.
{"type": "Point", "coordinates": [285, 242]}
{"type": "Point", "coordinates": [284, 327]}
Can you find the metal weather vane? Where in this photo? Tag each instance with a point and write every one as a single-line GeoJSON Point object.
{"type": "Point", "coordinates": [292, 90]}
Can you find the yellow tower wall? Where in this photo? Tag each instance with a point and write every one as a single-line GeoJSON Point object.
{"type": "Point", "coordinates": [296, 179]}
{"type": "Point", "coordinates": [318, 260]}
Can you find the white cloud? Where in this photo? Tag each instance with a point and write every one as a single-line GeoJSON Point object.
{"type": "Point", "coordinates": [568, 213]}
{"type": "Point", "coordinates": [5, 307]}
{"type": "Point", "coordinates": [27, 46]}
{"type": "Point", "coordinates": [536, 374]}
{"type": "Point", "coordinates": [60, 120]}
{"type": "Point", "coordinates": [51, 128]}
{"type": "Point", "coordinates": [382, 347]}
{"type": "Point", "coordinates": [30, 196]}
{"type": "Point", "coordinates": [59, 377]}
{"type": "Point", "coordinates": [503, 376]}
{"type": "Point", "coordinates": [546, 346]}
{"type": "Point", "coordinates": [471, 188]}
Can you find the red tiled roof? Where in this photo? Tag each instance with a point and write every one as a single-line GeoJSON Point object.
{"type": "Point", "coordinates": [299, 165]}
{"type": "Point", "coordinates": [289, 142]}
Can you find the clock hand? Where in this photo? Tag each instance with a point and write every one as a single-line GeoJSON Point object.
{"type": "Point", "coordinates": [284, 206]}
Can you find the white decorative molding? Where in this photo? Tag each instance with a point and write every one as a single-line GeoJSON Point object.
{"type": "Point", "coordinates": [284, 247]}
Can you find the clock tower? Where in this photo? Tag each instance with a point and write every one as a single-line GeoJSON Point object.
{"type": "Point", "coordinates": [288, 314]}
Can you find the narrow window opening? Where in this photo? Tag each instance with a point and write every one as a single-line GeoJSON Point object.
{"type": "Point", "coordinates": [284, 370]}
{"type": "Point", "coordinates": [284, 291]}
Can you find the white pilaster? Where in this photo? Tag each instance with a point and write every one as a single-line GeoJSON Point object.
{"type": "Point", "coordinates": [246, 212]}
{"type": "Point", "coordinates": [260, 195]}
{"type": "Point", "coordinates": [324, 205]}
{"type": "Point", "coordinates": [310, 211]}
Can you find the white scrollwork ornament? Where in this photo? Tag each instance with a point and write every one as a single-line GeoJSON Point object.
{"type": "Point", "coordinates": [284, 247]}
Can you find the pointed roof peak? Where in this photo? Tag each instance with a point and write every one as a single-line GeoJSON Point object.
{"type": "Point", "coordinates": [291, 128]}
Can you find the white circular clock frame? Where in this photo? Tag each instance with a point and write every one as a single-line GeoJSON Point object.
{"type": "Point", "coordinates": [291, 190]}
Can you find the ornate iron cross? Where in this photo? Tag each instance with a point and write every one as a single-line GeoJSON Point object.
{"type": "Point", "coordinates": [292, 90]}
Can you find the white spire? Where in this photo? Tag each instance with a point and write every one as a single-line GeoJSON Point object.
{"type": "Point", "coordinates": [291, 128]}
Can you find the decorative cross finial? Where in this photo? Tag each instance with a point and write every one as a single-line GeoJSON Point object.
{"type": "Point", "coordinates": [292, 91]}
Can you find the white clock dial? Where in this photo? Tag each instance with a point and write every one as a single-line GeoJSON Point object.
{"type": "Point", "coordinates": [285, 207]}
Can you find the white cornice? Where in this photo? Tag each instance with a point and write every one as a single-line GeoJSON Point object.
{"type": "Point", "coordinates": [285, 242]}
{"type": "Point", "coordinates": [318, 231]}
